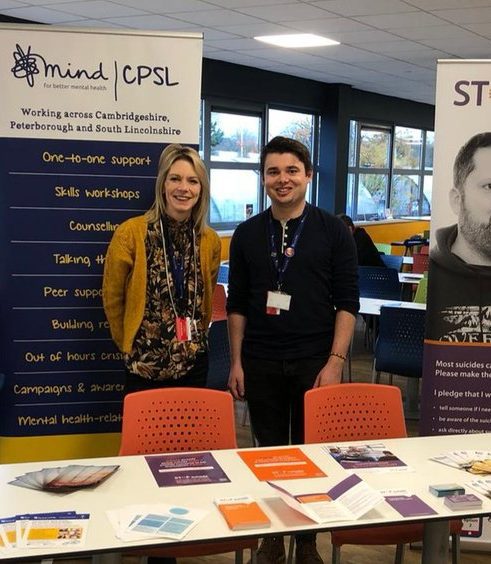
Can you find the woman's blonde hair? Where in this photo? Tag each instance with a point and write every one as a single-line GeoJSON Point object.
{"type": "Point", "coordinates": [169, 156]}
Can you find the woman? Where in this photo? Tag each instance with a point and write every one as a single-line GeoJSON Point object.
{"type": "Point", "coordinates": [160, 272]}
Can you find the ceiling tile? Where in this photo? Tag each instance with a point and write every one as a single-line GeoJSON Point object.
{"type": "Point", "coordinates": [467, 15]}
{"type": "Point", "coordinates": [328, 25]}
{"type": "Point", "coordinates": [215, 18]}
{"type": "Point", "coordinates": [232, 4]}
{"type": "Point", "coordinates": [480, 28]}
{"type": "Point", "coordinates": [156, 22]}
{"type": "Point", "coordinates": [364, 7]}
{"type": "Point", "coordinates": [394, 21]}
{"type": "Point", "coordinates": [433, 32]}
{"type": "Point", "coordinates": [447, 4]}
{"type": "Point", "coordinates": [391, 47]}
{"type": "Point", "coordinates": [7, 4]}
{"type": "Point", "coordinates": [286, 12]}
{"type": "Point", "coordinates": [96, 9]}
{"type": "Point", "coordinates": [168, 6]}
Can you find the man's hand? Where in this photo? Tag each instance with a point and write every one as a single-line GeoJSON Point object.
{"type": "Point", "coordinates": [236, 382]}
{"type": "Point", "coordinates": [331, 372]}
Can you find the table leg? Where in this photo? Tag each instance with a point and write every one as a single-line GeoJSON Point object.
{"type": "Point", "coordinates": [435, 542]}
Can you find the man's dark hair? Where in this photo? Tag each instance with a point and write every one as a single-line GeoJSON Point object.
{"type": "Point", "coordinates": [286, 145]}
{"type": "Point", "coordinates": [346, 219]}
{"type": "Point", "coordinates": [464, 161]}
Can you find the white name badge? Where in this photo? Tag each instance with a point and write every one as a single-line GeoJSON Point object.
{"type": "Point", "coordinates": [278, 300]}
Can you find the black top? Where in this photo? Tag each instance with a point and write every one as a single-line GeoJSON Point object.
{"type": "Point", "coordinates": [321, 277]}
{"type": "Point", "coordinates": [368, 254]}
{"type": "Point", "coordinates": [459, 295]}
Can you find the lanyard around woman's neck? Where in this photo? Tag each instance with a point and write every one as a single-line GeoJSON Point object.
{"type": "Point", "coordinates": [177, 271]}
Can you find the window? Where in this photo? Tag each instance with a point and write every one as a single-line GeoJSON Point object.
{"type": "Point", "coordinates": [231, 140]}
{"type": "Point", "coordinates": [389, 171]}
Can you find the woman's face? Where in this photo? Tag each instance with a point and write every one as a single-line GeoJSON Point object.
{"type": "Point", "coordinates": [182, 188]}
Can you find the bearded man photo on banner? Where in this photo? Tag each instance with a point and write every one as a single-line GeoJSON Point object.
{"type": "Point", "coordinates": [460, 264]}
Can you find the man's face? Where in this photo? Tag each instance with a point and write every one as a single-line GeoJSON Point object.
{"type": "Point", "coordinates": [285, 179]}
{"type": "Point", "coordinates": [473, 205]}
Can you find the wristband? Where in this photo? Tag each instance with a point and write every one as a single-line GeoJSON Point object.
{"type": "Point", "coordinates": [339, 355]}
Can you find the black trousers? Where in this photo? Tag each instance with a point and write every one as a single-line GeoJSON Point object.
{"type": "Point", "coordinates": [274, 390]}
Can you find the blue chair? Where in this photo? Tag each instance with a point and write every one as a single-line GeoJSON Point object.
{"type": "Point", "coordinates": [399, 346]}
{"type": "Point", "coordinates": [218, 356]}
{"type": "Point", "coordinates": [223, 274]}
{"type": "Point", "coordinates": [393, 261]}
{"type": "Point", "coordinates": [379, 282]}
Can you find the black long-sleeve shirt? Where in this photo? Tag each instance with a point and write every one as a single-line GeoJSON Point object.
{"type": "Point", "coordinates": [321, 278]}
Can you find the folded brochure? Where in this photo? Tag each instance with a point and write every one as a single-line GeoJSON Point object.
{"type": "Point", "coordinates": [347, 500]}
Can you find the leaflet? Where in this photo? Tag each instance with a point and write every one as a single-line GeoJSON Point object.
{"type": "Point", "coordinates": [36, 530]}
{"type": "Point", "coordinates": [139, 522]}
{"type": "Point", "coordinates": [280, 464]}
{"type": "Point", "coordinates": [473, 461]}
{"type": "Point", "coordinates": [186, 469]}
{"type": "Point", "coordinates": [348, 500]}
{"type": "Point", "coordinates": [482, 486]}
{"type": "Point", "coordinates": [65, 479]}
{"type": "Point", "coordinates": [373, 457]}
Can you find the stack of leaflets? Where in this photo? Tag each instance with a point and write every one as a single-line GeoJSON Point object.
{"type": "Point", "coordinates": [347, 500]}
{"type": "Point", "coordinates": [140, 522]}
{"type": "Point", "coordinates": [462, 502]}
{"type": "Point", "coordinates": [64, 479]}
{"type": "Point", "coordinates": [374, 457]}
{"type": "Point", "coordinates": [482, 486]}
{"type": "Point", "coordinates": [407, 504]}
{"type": "Point", "coordinates": [242, 512]}
{"type": "Point", "coordinates": [42, 530]}
{"type": "Point", "coordinates": [474, 461]}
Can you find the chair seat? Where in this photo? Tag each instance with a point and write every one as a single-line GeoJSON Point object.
{"type": "Point", "coordinates": [391, 534]}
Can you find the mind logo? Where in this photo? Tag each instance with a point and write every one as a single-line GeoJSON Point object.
{"type": "Point", "coordinates": [25, 64]}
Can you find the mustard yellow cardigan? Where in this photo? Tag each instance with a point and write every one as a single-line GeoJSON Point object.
{"type": "Point", "coordinates": [124, 284]}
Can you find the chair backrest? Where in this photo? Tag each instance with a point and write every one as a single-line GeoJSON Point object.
{"type": "Point", "coordinates": [223, 274]}
{"type": "Point", "coordinates": [177, 419]}
{"type": "Point", "coordinates": [425, 250]}
{"type": "Point", "coordinates": [379, 282]}
{"type": "Point", "coordinates": [399, 346]}
{"type": "Point", "coordinates": [421, 291]}
{"type": "Point", "coordinates": [420, 263]}
{"type": "Point", "coordinates": [353, 412]}
{"type": "Point", "coordinates": [218, 309]}
{"type": "Point", "coordinates": [218, 356]}
{"type": "Point", "coordinates": [385, 248]}
{"type": "Point", "coordinates": [393, 261]}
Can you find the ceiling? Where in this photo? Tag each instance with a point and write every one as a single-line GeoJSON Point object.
{"type": "Point", "coordinates": [387, 46]}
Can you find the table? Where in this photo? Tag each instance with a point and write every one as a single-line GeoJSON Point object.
{"type": "Point", "coordinates": [371, 306]}
{"type": "Point", "coordinates": [134, 483]}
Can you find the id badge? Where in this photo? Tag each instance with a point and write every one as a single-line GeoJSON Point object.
{"type": "Point", "coordinates": [183, 328]}
{"type": "Point", "coordinates": [278, 301]}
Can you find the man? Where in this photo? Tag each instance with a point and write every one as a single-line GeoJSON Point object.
{"type": "Point", "coordinates": [292, 302]}
{"type": "Point", "coordinates": [366, 250]}
{"type": "Point", "coordinates": [459, 300]}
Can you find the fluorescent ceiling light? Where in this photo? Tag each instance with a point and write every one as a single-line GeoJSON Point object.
{"type": "Point", "coordinates": [297, 40]}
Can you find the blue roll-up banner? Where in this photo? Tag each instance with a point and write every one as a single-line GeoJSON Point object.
{"type": "Point", "coordinates": [85, 116]}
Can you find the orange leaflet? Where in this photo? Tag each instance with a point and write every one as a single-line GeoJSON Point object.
{"type": "Point", "coordinates": [280, 464]}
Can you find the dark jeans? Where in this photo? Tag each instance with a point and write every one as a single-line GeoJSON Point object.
{"type": "Point", "coordinates": [274, 391]}
{"type": "Point", "coordinates": [194, 378]}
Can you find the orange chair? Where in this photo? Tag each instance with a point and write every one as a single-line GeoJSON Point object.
{"type": "Point", "coordinates": [360, 412]}
{"type": "Point", "coordinates": [182, 419]}
{"type": "Point", "coordinates": [420, 263]}
{"type": "Point", "coordinates": [218, 310]}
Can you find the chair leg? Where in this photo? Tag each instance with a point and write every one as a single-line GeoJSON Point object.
{"type": "Point", "coordinates": [239, 557]}
{"type": "Point", "coordinates": [291, 546]}
{"type": "Point", "coordinates": [456, 549]}
{"type": "Point", "coordinates": [336, 554]}
{"type": "Point", "coordinates": [375, 374]}
{"type": "Point", "coordinates": [399, 559]}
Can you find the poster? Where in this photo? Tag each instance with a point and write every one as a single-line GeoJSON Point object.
{"type": "Point", "coordinates": [85, 116]}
